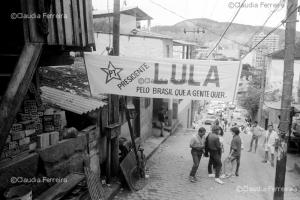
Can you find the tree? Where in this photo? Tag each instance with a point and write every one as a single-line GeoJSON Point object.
{"type": "Point", "coordinates": [246, 71]}
{"type": "Point", "coordinates": [251, 101]}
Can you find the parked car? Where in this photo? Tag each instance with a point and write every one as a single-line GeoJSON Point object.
{"type": "Point", "coordinates": [209, 119]}
{"type": "Point", "coordinates": [231, 106]}
{"type": "Point", "coordinates": [238, 122]}
{"type": "Point", "coordinates": [210, 112]}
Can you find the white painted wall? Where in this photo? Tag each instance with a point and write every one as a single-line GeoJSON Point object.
{"type": "Point", "coordinates": [184, 112]}
{"type": "Point", "coordinates": [127, 23]}
{"type": "Point", "coordinates": [275, 75]}
{"type": "Point", "coordinates": [134, 46]}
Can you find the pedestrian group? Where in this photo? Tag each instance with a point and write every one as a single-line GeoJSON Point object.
{"type": "Point", "coordinates": [212, 146]}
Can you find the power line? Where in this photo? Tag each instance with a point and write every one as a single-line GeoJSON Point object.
{"type": "Point", "coordinates": [214, 8]}
{"type": "Point", "coordinates": [265, 22]}
{"type": "Point", "coordinates": [227, 28]}
{"type": "Point", "coordinates": [178, 15]}
{"type": "Point", "coordinates": [245, 45]}
{"type": "Point", "coordinates": [274, 29]}
{"type": "Point", "coordinates": [171, 11]}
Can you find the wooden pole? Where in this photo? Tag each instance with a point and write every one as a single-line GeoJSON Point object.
{"type": "Point", "coordinates": [17, 88]}
{"type": "Point", "coordinates": [187, 52]}
{"type": "Point", "coordinates": [114, 99]}
{"type": "Point", "coordinates": [290, 33]}
{"type": "Point", "coordinates": [262, 89]}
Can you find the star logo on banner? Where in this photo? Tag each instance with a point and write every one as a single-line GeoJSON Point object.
{"type": "Point", "coordinates": [112, 72]}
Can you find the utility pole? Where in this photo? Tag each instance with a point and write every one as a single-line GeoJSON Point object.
{"type": "Point", "coordinates": [112, 165]}
{"type": "Point", "coordinates": [189, 48]}
{"type": "Point", "coordinates": [193, 31]}
{"type": "Point", "coordinates": [262, 87]}
{"type": "Point", "coordinates": [290, 33]}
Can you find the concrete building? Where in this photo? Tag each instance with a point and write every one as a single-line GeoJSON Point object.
{"type": "Point", "coordinates": [243, 87]}
{"type": "Point", "coordinates": [185, 110]}
{"type": "Point", "coordinates": [184, 50]}
{"type": "Point", "coordinates": [269, 45]}
{"type": "Point", "coordinates": [274, 83]}
{"type": "Point", "coordinates": [202, 52]}
{"type": "Point", "coordinates": [140, 42]}
{"type": "Point", "coordinates": [274, 74]}
{"type": "Point", "coordinates": [259, 57]}
{"type": "Point", "coordinates": [220, 53]}
{"type": "Point", "coordinates": [271, 42]}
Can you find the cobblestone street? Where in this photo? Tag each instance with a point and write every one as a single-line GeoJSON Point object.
{"type": "Point", "coordinates": [169, 168]}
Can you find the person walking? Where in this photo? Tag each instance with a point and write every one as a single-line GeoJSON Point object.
{"type": "Point", "coordinates": [256, 132]}
{"type": "Point", "coordinates": [215, 151]}
{"type": "Point", "coordinates": [225, 124]}
{"type": "Point", "coordinates": [197, 145]}
{"type": "Point", "coordinates": [235, 149]}
{"type": "Point", "coordinates": [271, 138]}
{"type": "Point", "coordinates": [161, 119]}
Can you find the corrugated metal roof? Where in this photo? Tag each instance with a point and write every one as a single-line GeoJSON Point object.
{"type": "Point", "coordinates": [70, 102]}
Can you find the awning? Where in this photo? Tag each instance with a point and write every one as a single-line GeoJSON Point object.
{"type": "Point", "coordinates": [70, 102]}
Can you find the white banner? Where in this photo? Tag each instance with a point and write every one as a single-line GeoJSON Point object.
{"type": "Point", "coordinates": [162, 78]}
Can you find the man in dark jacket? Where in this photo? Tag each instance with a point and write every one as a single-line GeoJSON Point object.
{"type": "Point", "coordinates": [210, 162]}
{"type": "Point", "coordinates": [215, 150]}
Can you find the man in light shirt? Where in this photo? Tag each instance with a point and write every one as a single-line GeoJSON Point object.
{"type": "Point", "coordinates": [197, 145]}
{"type": "Point", "coordinates": [256, 132]}
{"type": "Point", "coordinates": [271, 139]}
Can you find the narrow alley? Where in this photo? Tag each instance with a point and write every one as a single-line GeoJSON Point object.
{"type": "Point", "coordinates": [169, 169]}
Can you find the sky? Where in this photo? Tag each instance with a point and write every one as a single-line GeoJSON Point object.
{"type": "Point", "coordinates": [254, 12]}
